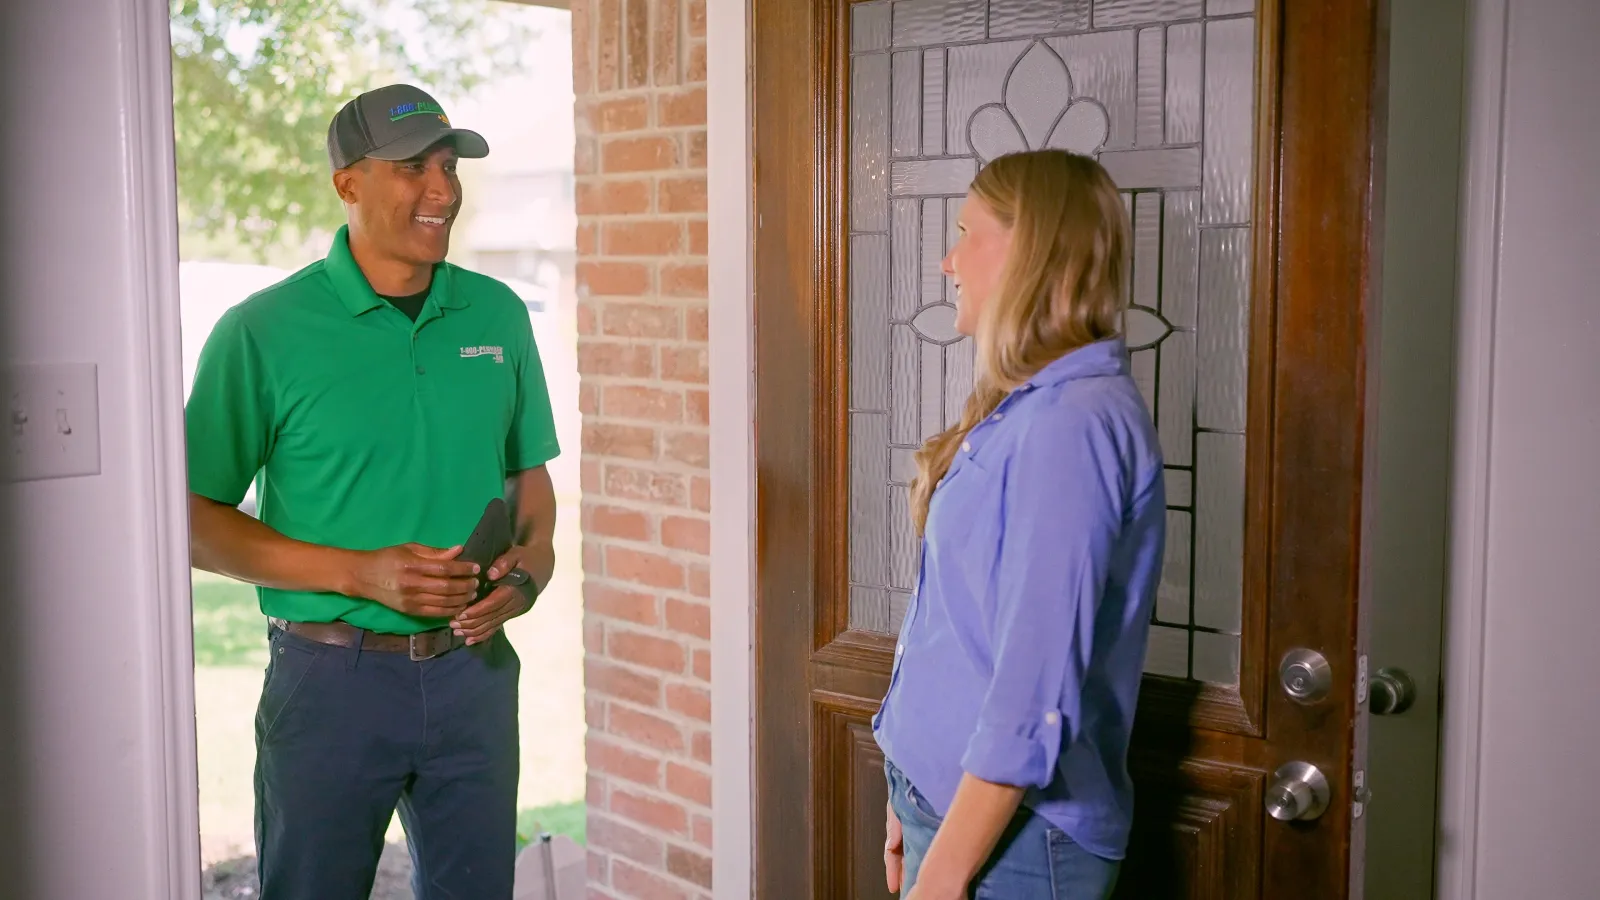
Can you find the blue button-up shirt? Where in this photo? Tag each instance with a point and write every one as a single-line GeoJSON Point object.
{"type": "Point", "coordinates": [1020, 656]}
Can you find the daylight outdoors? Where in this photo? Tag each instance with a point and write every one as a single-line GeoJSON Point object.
{"type": "Point", "coordinates": [254, 86]}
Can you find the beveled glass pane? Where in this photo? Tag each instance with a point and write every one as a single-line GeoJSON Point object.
{"type": "Point", "coordinates": [869, 321]}
{"type": "Point", "coordinates": [1104, 67]}
{"type": "Point", "coordinates": [1229, 120]}
{"type": "Point", "coordinates": [1147, 251]}
{"type": "Point", "coordinates": [1180, 487]}
{"type": "Point", "coordinates": [902, 465]}
{"type": "Point", "coordinates": [905, 256]}
{"type": "Point", "coordinates": [902, 539]}
{"type": "Point", "coordinates": [1216, 658]}
{"type": "Point", "coordinates": [1219, 531]}
{"type": "Point", "coordinates": [958, 358]}
{"type": "Point", "coordinates": [1109, 13]}
{"type": "Point", "coordinates": [1172, 596]}
{"type": "Point", "coordinates": [937, 323]}
{"type": "Point", "coordinates": [1229, 7]}
{"type": "Point", "coordinates": [932, 252]}
{"type": "Point", "coordinates": [1143, 365]}
{"type": "Point", "coordinates": [1224, 328]}
{"type": "Point", "coordinates": [1180, 257]}
{"type": "Point", "coordinates": [905, 118]}
{"type": "Point", "coordinates": [976, 76]}
{"type": "Point", "coordinates": [1134, 170]}
{"type": "Point", "coordinates": [932, 377]}
{"type": "Point", "coordinates": [932, 176]}
{"type": "Point", "coordinates": [933, 102]}
{"type": "Point", "coordinates": [1037, 93]}
{"type": "Point", "coordinates": [905, 355]}
{"type": "Point", "coordinates": [869, 26]}
{"type": "Point", "coordinates": [1168, 652]}
{"type": "Point", "coordinates": [952, 229]}
{"type": "Point", "coordinates": [1175, 405]}
{"type": "Point", "coordinates": [1143, 327]}
{"type": "Point", "coordinates": [869, 474]}
{"type": "Point", "coordinates": [919, 22]}
{"type": "Point", "coordinates": [899, 602]}
{"type": "Point", "coordinates": [1183, 83]}
{"type": "Point", "coordinates": [1151, 111]}
{"type": "Point", "coordinates": [1026, 18]}
{"type": "Point", "coordinates": [869, 143]}
{"type": "Point", "coordinates": [869, 608]}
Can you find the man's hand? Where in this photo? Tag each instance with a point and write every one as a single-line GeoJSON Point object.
{"type": "Point", "coordinates": [894, 854]}
{"type": "Point", "coordinates": [421, 581]}
{"type": "Point", "coordinates": [481, 620]}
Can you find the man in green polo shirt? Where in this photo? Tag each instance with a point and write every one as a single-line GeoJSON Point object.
{"type": "Point", "coordinates": [379, 399]}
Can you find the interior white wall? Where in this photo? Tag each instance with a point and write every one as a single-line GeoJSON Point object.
{"type": "Point", "coordinates": [99, 794]}
{"type": "Point", "coordinates": [1519, 808]}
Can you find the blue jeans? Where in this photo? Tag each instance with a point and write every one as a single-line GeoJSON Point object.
{"type": "Point", "coordinates": [344, 736]}
{"type": "Point", "coordinates": [1033, 861]}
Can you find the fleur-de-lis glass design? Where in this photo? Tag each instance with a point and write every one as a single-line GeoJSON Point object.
{"type": "Point", "coordinates": [1039, 112]}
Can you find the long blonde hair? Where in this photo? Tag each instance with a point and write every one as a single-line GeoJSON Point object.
{"type": "Point", "coordinates": [1062, 285]}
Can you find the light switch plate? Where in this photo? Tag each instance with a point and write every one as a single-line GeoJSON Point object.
{"type": "Point", "coordinates": [51, 421]}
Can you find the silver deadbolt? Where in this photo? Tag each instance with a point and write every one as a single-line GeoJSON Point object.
{"type": "Point", "coordinates": [1306, 675]}
{"type": "Point", "coordinates": [1392, 692]}
{"type": "Point", "coordinates": [1299, 792]}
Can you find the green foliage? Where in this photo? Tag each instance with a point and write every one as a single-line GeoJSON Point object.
{"type": "Point", "coordinates": [255, 83]}
{"type": "Point", "coordinates": [229, 629]}
{"type": "Point", "coordinates": [558, 818]}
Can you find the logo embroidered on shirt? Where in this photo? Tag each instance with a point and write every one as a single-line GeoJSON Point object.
{"type": "Point", "coordinates": [499, 353]}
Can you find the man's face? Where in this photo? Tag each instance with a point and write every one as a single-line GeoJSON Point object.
{"type": "Point", "coordinates": [404, 210]}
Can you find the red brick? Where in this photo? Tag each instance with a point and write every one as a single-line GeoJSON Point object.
{"type": "Point", "coordinates": [618, 359]}
{"type": "Point", "coordinates": [594, 712]}
{"type": "Point", "coordinates": [626, 842]}
{"type": "Point", "coordinates": [686, 701]}
{"type": "Point", "coordinates": [695, 69]}
{"type": "Point", "coordinates": [677, 109]}
{"type": "Point", "coordinates": [636, 43]}
{"type": "Point", "coordinates": [588, 399]}
{"type": "Point", "coordinates": [662, 815]}
{"type": "Point", "coordinates": [594, 792]}
{"type": "Point", "coordinates": [612, 197]}
{"type": "Point", "coordinates": [681, 195]}
{"type": "Point", "coordinates": [697, 322]}
{"type": "Point", "coordinates": [687, 617]}
{"type": "Point", "coordinates": [594, 637]}
{"type": "Point", "coordinates": [585, 156]}
{"type": "Point", "coordinates": [699, 245]}
{"type": "Point", "coordinates": [621, 114]}
{"type": "Point", "coordinates": [697, 18]}
{"type": "Point", "coordinates": [693, 535]}
{"type": "Point", "coordinates": [632, 881]}
{"type": "Point", "coordinates": [641, 154]}
{"type": "Point", "coordinates": [599, 869]}
{"type": "Point", "coordinates": [641, 320]}
{"type": "Point", "coordinates": [692, 448]}
{"type": "Point", "coordinates": [641, 567]}
{"type": "Point", "coordinates": [586, 317]}
{"type": "Point", "coordinates": [643, 238]}
{"type": "Point", "coordinates": [700, 494]}
{"type": "Point", "coordinates": [582, 50]}
{"type": "Point", "coordinates": [628, 483]}
{"type": "Point", "coordinates": [614, 521]}
{"type": "Point", "coordinates": [624, 441]}
{"type": "Point", "coordinates": [683, 280]}
{"type": "Point", "coordinates": [643, 728]}
{"type": "Point", "coordinates": [612, 759]}
{"type": "Point", "coordinates": [697, 407]}
{"type": "Point", "coordinates": [689, 364]}
{"type": "Point", "coordinates": [589, 475]}
{"type": "Point", "coordinates": [624, 684]}
{"type": "Point", "coordinates": [702, 831]}
{"type": "Point", "coordinates": [700, 581]}
{"type": "Point", "coordinates": [647, 650]}
{"type": "Point", "coordinates": [633, 402]}
{"type": "Point", "coordinates": [618, 603]}
{"type": "Point", "coordinates": [593, 561]}
{"type": "Point", "coordinates": [617, 279]}
{"type": "Point", "coordinates": [694, 149]}
{"type": "Point", "coordinates": [689, 865]}
{"type": "Point", "coordinates": [700, 746]}
{"type": "Point", "coordinates": [608, 44]}
{"type": "Point", "coordinates": [664, 40]}
{"type": "Point", "coordinates": [702, 665]}
{"type": "Point", "coordinates": [588, 243]}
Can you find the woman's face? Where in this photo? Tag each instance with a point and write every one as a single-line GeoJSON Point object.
{"type": "Point", "coordinates": [975, 261]}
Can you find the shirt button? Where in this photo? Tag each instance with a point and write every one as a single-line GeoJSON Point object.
{"type": "Point", "coordinates": [999, 416]}
{"type": "Point", "coordinates": [1050, 718]}
{"type": "Point", "coordinates": [966, 446]}
{"type": "Point", "coordinates": [899, 650]}
{"type": "Point", "coordinates": [421, 371]}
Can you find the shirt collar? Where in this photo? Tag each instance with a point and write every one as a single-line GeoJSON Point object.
{"type": "Point", "coordinates": [356, 293]}
{"type": "Point", "coordinates": [1104, 357]}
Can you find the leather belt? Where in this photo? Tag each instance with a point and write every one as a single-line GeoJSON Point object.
{"type": "Point", "coordinates": [426, 645]}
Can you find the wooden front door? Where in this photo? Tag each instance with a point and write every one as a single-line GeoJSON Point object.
{"type": "Point", "coordinates": [1244, 134]}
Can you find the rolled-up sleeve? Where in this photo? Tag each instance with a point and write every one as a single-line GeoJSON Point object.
{"type": "Point", "coordinates": [1064, 501]}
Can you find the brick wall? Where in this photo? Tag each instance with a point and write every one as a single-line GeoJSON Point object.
{"type": "Point", "coordinates": [639, 75]}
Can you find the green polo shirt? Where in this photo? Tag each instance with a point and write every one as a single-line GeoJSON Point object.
{"type": "Point", "coordinates": [361, 428]}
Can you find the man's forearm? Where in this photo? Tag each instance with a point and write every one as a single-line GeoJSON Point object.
{"type": "Point", "coordinates": [228, 542]}
{"type": "Point", "coordinates": [977, 817]}
{"type": "Point", "coordinates": [534, 499]}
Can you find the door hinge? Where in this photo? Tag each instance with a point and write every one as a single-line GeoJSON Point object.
{"type": "Point", "coordinates": [1361, 682]}
{"type": "Point", "coordinates": [1359, 794]}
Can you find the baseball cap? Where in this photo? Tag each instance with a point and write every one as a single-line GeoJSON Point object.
{"type": "Point", "coordinates": [395, 122]}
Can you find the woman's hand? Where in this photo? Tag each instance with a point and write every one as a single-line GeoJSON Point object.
{"type": "Point", "coordinates": [894, 854]}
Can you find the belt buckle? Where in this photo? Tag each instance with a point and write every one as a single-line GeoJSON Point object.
{"type": "Point", "coordinates": [416, 655]}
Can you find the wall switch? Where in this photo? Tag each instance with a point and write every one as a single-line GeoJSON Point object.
{"type": "Point", "coordinates": [51, 421]}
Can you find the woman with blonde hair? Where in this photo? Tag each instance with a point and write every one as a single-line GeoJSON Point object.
{"type": "Point", "coordinates": [1043, 513]}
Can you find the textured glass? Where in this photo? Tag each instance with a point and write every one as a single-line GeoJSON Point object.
{"type": "Point", "coordinates": [932, 102]}
{"type": "Point", "coordinates": [869, 608]}
{"type": "Point", "coordinates": [1216, 658]}
{"type": "Point", "coordinates": [919, 22]}
{"type": "Point", "coordinates": [904, 261]}
{"type": "Point", "coordinates": [1172, 596]}
{"type": "Point", "coordinates": [932, 250]}
{"type": "Point", "coordinates": [1229, 120]}
{"type": "Point", "coordinates": [975, 76]}
{"type": "Point", "coordinates": [869, 143]}
{"type": "Point", "coordinates": [1183, 83]}
{"type": "Point", "coordinates": [937, 323]}
{"type": "Point", "coordinates": [1180, 487]}
{"type": "Point", "coordinates": [869, 27]}
{"type": "Point", "coordinates": [1224, 328]}
{"type": "Point", "coordinates": [1037, 92]}
{"type": "Point", "coordinates": [1147, 128]}
{"type": "Point", "coordinates": [1109, 13]}
{"type": "Point", "coordinates": [1083, 128]}
{"type": "Point", "coordinates": [1175, 405]}
{"type": "Point", "coordinates": [902, 539]}
{"type": "Point", "coordinates": [1104, 67]}
{"type": "Point", "coordinates": [1180, 257]}
{"type": "Point", "coordinates": [869, 473]}
{"type": "Point", "coordinates": [958, 358]}
{"type": "Point", "coordinates": [932, 376]}
{"type": "Point", "coordinates": [1219, 531]}
{"type": "Point", "coordinates": [1168, 652]}
{"type": "Point", "coordinates": [902, 465]}
{"type": "Point", "coordinates": [952, 227]}
{"type": "Point", "coordinates": [905, 126]}
{"type": "Point", "coordinates": [869, 321]}
{"type": "Point", "coordinates": [1146, 252]}
{"type": "Point", "coordinates": [1143, 365]}
{"type": "Point", "coordinates": [1144, 328]}
{"type": "Point", "coordinates": [1026, 18]}
{"type": "Point", "coordinates": [1134, 170]}
{"type": "Point", "coordinates": [1229, 7]}
{"type": "Point", "coordinates": [899, 602]}
{"type": "Point", "coordinates": [932, 177]}
{"type": "Point", "coordinates": [905, 355]}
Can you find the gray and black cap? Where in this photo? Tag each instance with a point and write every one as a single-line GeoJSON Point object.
{"type": "Point", "coordinates": [394, 123]}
